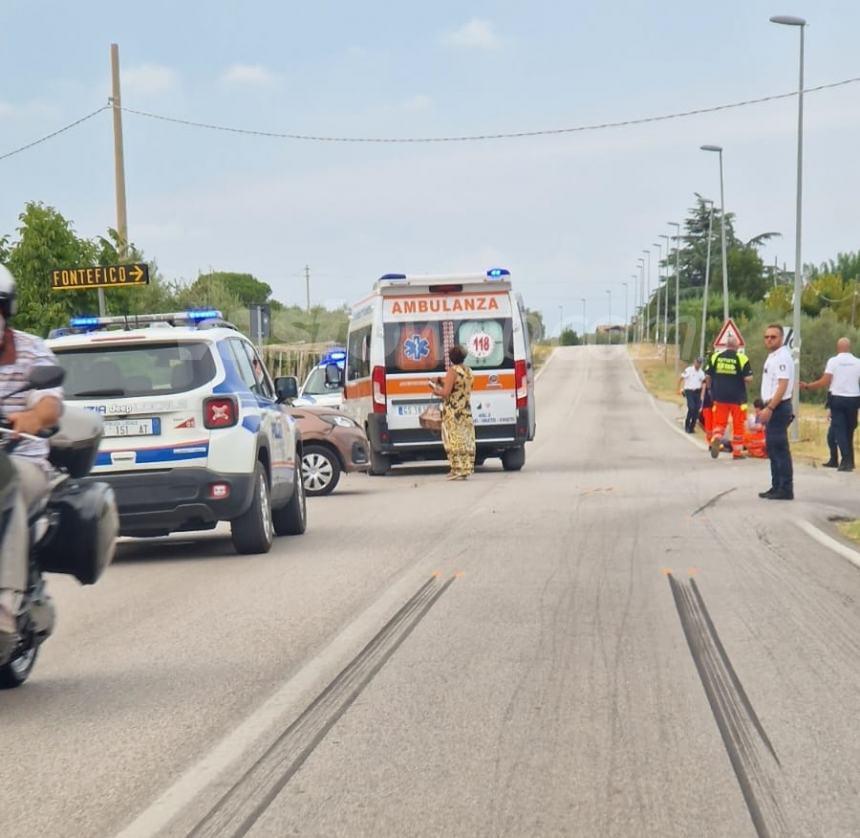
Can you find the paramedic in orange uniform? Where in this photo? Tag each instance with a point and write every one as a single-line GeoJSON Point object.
{"type": "Point", "coordinates": [728, 373]}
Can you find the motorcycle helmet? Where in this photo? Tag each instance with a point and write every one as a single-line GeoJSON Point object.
{"type": "Point", "coordinates": [8, 302]}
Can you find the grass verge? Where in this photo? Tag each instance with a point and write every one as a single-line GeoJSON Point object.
{"type": "Point", "coordinates": [850, 529]}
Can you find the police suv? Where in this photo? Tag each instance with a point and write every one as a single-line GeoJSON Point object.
{"type": "Point", "coordinates": [195, 430]}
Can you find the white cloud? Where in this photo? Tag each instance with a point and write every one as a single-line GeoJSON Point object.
{"type": "Point", "coordinates": [477, 34]}
{"type": "Point", "coordinates": [253, 74]}
{"type": "Point", "coordinates": [148, 79]}
{"type": "Point", "coordinates": [414, 104]}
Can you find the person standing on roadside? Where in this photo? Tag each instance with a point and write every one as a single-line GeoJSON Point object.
{"type": "Point", "coordinates": [728, 373]}
{"type": "Point", "coordinates": [842, 379]}
{"type": "Point", "coordinates": [777, 385]}
{"type": "Point", "coordinates": [692, 380]}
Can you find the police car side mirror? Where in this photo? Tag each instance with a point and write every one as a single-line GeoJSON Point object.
{"type": "Point", "coordinates": [333, 376]}
{"type": "Point", "coordinates": [286, 388]}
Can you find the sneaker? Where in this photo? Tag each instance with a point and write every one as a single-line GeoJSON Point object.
{"type": "Point", "coordinates": [715, 448]}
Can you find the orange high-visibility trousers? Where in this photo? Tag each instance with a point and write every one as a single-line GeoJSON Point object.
{"type": "Point", "coordinates": [754, 442]}
{"type": "Point", "coordinates": [722, 412]}
{"type": "Point", "coordinates": [707, 417]}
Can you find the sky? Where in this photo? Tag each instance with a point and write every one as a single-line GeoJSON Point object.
{"type": "Point", "coordinates": [567, 214]}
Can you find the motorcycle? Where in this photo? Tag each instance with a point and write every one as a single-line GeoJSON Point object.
{"type": "Point", "coordinates": [73, 531]}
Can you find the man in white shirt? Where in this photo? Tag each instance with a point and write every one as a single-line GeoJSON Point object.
{"type": "Point", "coordinates": [692, 380]}
{"type": "Point", "coordinates": [777, 385]}
{"type": "Point", "coordinates": [842, 378]}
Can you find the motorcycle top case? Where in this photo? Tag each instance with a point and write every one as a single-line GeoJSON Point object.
{"type": "Point", "coordinates": [83, 542]}
{"type": "Point", "coordinates": [75, 445]}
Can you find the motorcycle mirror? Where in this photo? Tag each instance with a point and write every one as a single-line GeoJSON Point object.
{"type": "Point", "coordinates": [45, 377]}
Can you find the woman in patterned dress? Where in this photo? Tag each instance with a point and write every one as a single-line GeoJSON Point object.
{"type": "Point", "coordinates": [458, 428]}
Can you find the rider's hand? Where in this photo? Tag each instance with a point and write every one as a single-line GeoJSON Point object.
{"type": "Point", "coordinates": [25, 422]}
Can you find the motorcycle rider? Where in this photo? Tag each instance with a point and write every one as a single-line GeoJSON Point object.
{"type": "Point", "coordinates": [28, 413]}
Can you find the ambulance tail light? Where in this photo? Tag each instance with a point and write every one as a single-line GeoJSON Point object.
{"type": "Point", "coordinates": [378, 380]}
{"type": "Point", "coordinates": [220, 412]}
{"type": "Point", "coordinates": [521, 384]}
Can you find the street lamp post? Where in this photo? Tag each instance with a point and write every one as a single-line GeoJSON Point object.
{"type": "Point", "coordinates": [641, 265]}
{"type": "Point", "coordinates": [800, 23]}
{"type": "Point", "coordinates": [584, 323]}
{"type": "Point", "coordinates": [666, 306]}
{"type": "Point", "coordinates": [560, 323]}
{"type": "Point", "coordinates": [677, 227]}
{"type": "Point", "coordinates": [609, 329]}
{"type": "Point", "coordinates": [626, 323]}
{"type": "Point", "coordinates": [719, 150]}
{"type": "Point", "coordinates": [647, 296]}
{"type": "Point", "coordinates": [659, 247]}
{"type": "Point", "coordinates": [707, 278]}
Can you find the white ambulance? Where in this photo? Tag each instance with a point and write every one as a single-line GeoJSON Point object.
{"type": "Point", "coordinates": [399, 337]}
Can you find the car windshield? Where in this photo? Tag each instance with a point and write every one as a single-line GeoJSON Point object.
{"type": "Point", "coordinates": [144, 369]}
{"type": "Point", "coordinates": [316, 384]}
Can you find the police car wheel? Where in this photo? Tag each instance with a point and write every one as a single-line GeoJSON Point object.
{"type": "Point", "coordinates": [320, 470]}
{"type": "Point", "coordinates": [17, 670]}
{"type": "Point", "coordinates": [254, 530]}
{"type": "Point", "coordinates": [292, 519]}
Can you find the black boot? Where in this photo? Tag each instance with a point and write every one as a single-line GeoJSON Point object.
{"type": "Point", "coordinates": [830, 464]}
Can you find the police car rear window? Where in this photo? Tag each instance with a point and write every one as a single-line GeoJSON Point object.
{"type": "Point", "coordinates": [150, 369]}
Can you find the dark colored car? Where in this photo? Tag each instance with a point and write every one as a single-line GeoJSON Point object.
{"type": "Point", "coordinates": [332, 443]}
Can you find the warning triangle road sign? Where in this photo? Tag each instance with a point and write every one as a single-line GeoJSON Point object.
{"type": "Point", "coordinates": [729, 328]}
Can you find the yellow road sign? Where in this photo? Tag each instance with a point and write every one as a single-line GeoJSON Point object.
{"type": "Point", "coordinates": [110, 276]}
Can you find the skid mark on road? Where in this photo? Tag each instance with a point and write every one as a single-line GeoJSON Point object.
{"type": "Point", "coordinates": [750, 751]}
{"type": "Point", "coordinates": [712, 501]}
{"type": "Point", "coordinates": [246, 801]}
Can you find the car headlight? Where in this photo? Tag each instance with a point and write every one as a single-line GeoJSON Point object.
{"type": "Point", "coordinates": [340, 421]}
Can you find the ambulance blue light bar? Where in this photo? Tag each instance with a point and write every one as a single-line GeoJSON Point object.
{"type": "Point", "coordinates": [392, 276]}
{"type": "Point", "coordinates": [497, 273]}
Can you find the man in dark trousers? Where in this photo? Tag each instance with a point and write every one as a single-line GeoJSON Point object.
{"type": "Point", "coordinates": [691, 381]}
{"type": "Point", "coordinates": [777, 385]}
{"type": "Point", "coordinates": [728, 373]}
{"type": "Point", "coordinates": [842, 379]}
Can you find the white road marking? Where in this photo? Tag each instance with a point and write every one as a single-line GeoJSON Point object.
{"type": "Point", "coordinates": [831, 543]}
{"type": "Point", "coordinates": [316, 672]}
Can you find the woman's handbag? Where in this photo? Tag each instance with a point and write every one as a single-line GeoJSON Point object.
{"type": "Point", "coordinates": [431, 418]}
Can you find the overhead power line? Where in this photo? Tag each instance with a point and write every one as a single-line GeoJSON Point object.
{"type": "Point", "coordinates": [545, 132]}
{"type": "Point", "coordinates": [475, 137]}
{"type": "Point", "coordinates": [53, 134]}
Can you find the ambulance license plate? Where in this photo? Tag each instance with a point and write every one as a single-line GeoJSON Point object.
{"type": "Point", "coordinates": [414, 409]}
{"type": "Point", "coordinates": [132, 427]}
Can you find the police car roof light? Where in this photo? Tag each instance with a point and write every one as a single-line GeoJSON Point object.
{"type": "Point", "coordinates": [85, 322]}
{"type": "Point", "coordinates": [392, 276]}
{"type": "Point", "coordinates": [496, 273]}
{"type": "Point", "coordinates": [204, 314]}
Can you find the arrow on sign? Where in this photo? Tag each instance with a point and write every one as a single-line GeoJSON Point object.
{"type": "Point", "coordinates": [136, 273]}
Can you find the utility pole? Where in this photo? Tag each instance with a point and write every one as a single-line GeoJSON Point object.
{"type": "Point", "coordinates": [119, 166]}
{"type": "Point", "coordinates": [307, 289]}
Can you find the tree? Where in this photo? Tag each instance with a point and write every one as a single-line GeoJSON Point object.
{"type": "Point", "coordinates": [569, 337]}
{"type": "Point", "coordinates": [246, 288]}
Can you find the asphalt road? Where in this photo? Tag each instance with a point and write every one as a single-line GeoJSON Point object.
{"type": "Point", "coordinates": [620, 640]}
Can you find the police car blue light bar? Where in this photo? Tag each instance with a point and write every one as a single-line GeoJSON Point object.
{"type": "Point", "coordinates": [334, 356]}
{"type": "Point", "coordinates": [392, 276]}
{"type": "Point", "coordinates": [204, 314]}
{"type": "Point", "coordinates": [85, 322]}
{"type": "Point", "coordinates": [134, 320]}
{"type": "Point", "coordinates": [496, 273]}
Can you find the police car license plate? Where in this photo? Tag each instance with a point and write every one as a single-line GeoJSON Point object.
{"type": "Point", "coordinates": [414, 409]}
{"type": "Point", "coordinates": [132, 427]}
